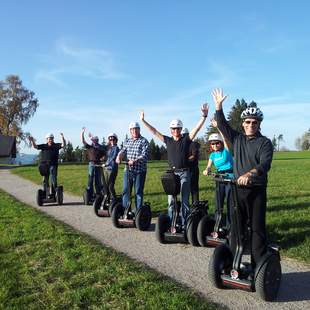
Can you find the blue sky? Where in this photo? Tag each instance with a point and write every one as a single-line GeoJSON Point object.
{"type": "Point", "coordinates": [98, 63]}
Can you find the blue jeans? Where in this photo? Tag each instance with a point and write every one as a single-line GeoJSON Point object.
{"type": "Point", "coordinates": [53, 173]}
{"type": "Point", "coordinates": [94, 173]}
{"type": "Point", "coordinates": [185, 192]}
{"type": "Point", "coordinates": [136, 179]}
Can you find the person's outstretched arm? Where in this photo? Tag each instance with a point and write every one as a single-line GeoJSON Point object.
{"type": "Point", "coordinates": [33, 142]}
{"type": "Point", "coordinates": [82, 136]}
{"type": "Point", "coordinates": [153, 130]}
{"type": "Point", "coordinates": [222, 124]}
{"type": "Point", "coordinates": [63, 140]}
{"type": "Point", "coordinates": [204, 111]}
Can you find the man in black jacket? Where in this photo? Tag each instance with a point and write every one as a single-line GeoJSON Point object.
{"type": "Point", "coordinates": [252, 160]}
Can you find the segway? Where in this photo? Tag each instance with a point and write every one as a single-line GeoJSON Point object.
{"type": "Point", "coordinates": [228, 270]}
{"type": "Point", "coordinates": [171, 230]}
{"type": "Point", "coordinates": [45, 195]}
{"type": "Point", "coordinates": [212, 232]}
{"type": "Point", "coordinates": [103, 205]}
{"type": "Point", "coordinates": [126, 217]}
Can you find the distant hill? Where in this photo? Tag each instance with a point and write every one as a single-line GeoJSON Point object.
{"type": "Point", "coordinates": [25, 159]}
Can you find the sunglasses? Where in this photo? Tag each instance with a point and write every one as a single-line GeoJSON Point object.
{"type": "Point", "coordinates": [111, 138]}
{"type": "Point", "coordinates": [251, 122]}
{"type": "Point", "coordinates": [176, 128]}
{"type": "Point", "coordinates": [215, 143]}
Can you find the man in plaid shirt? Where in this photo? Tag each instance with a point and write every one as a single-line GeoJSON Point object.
{"type": "Point", "coordinates": [135, 150]}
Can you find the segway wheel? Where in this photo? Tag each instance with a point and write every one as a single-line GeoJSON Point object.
{"type": "Point", "coordinates": [191, 229]}
{"type": "Point", "coordinates": [117, 212]}
{"type": "Point", "coordinates": [162, 226]}
{"type": "Point", "coordinates": [40, 194]}
{"type": "Point", "coordinates": [144, 217]}
{"type": "Point", "coordinates": [204, 229]}
{"type": "Point", "coordinates": [220, 263]}
{"type": "Point", "coordinates": [268, 279]}
{"type": "Point", "coordinates": [113, 203]}
{"type": "Point", "coordinates": [59, 195]}
{"type": "Point", "coordinates": [97, 204]}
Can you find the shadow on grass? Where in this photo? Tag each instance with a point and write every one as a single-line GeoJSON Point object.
{"type": "Point", "coordinates": [291, 206]}
{"type": "Point", "coordinates": [280, 197]}
{"type": "Point", "coordinates": [295, 286]}
{"type": "Point", "coordinates": [291, 158]}
{"type": "Point", "coordinates": [290, 239]}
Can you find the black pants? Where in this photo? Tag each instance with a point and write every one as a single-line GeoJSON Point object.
{"type": "Point", "coordinates": [194, 173]}
{"type": "Point", "coordinates": [252, 203]}
{"type": "Point", "coordinates": [223, 191]}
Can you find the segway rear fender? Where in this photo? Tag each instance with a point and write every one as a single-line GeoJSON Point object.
{"type": "Point", "coordinates": [264, 259]}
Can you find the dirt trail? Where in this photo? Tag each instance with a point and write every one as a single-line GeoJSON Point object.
{"type": "Point", "coordinates": [184, 263]}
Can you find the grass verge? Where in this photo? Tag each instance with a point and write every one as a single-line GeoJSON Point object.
{"type": "Point", "coordinates": [47, 265]}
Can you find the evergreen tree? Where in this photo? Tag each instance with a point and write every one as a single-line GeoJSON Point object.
{"type": "Point", "coordinates": [233, 117]}
{"type": "Point", "coordinates": [274, 143]}
{"type": "Point", "coordinates": [163, 153]}
{"type": "Point", "coordinates": [152, 150]}
{"type": "Point", "coordinates": [67, 154]}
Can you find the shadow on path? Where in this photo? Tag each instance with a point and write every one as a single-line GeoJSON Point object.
{"type": "Point", "coordinates": [295, 286]}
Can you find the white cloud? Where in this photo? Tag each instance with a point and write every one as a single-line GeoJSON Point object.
{"type": "Point", "coordinates": [69, 60]}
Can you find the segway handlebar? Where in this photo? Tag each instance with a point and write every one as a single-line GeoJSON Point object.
{"type": "Point", "coordinates": [223, 178]}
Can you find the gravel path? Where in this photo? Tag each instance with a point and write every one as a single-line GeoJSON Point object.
{"type": "Point", "coordinates": [184, 263]}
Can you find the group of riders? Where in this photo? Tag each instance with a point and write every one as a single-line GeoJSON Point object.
{"type": "Point", "coordinates": [245, 156]}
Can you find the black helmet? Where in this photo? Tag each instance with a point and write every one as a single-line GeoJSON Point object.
{"type": "Point", "coordinates": [252, 111]}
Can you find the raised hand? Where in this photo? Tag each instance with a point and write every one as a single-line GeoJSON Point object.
{"type": "Point", "coordinates": [205, 109]}
{"type": "Point", "coordinates": [218, 97]}
{"type": "Point", "coordinates": [142, 115]}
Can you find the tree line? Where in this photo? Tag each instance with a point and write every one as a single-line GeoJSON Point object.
{"type": "Point", "coordinates": [18, 105]}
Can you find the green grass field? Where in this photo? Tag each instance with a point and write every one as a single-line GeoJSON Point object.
{"type": "Point", "coordinates": [288, 216]}
{"type": "Point", "coordinates": [47, 265]}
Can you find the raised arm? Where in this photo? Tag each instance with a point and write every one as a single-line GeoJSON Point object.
{"type": "Point", "coordinates": [33, 142]}
{"type": "Point", "coordinates": [63, 140]}
{"type": "Point", "coordinates": [222, 124]}
{"type": "Point", "coordinates": [154, 131]}
{"type": "Point", "coordinates": [204, 111]}
{"type": "Point", "coordinates": [82, 136]}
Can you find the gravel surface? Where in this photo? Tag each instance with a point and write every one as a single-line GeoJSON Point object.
{"type": "Point", "coordinates": [184, 263]}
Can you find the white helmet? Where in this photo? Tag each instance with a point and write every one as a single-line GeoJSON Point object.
{"type": "Point", "coordinates": [176, 123]}
{"type": "Point", "coordinates": [49, 135]}
{"type": "Point", "coordinates": [134, 125]}
{"type": "Point", "coordinates": [215, 137]}
{"type": "Point", "coordinates": [112, 134]}
{"type": "Point", "coordinates": [184, 131]}
{"type": "Point", "coordinates": [252, 111]}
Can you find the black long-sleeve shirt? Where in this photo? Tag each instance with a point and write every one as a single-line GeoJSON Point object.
{"type": "Point", "coordinates": [249, 152]}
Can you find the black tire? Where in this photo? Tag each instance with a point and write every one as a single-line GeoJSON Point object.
{"type": "Point", "coordinates": [59, 195]}
{"type": "Point", "coordinates": [144, 217]}
{"type": "Point", "coordinates": [191, 229]}
{"type": "Point", "coordinates": [220, 262]}
{"type": "Point", "coordinates": [268, 279]}
{"type": "Point", "coordinates": [204, 229]}
{"type": "Point", "coordinates": [113, 203]}
{"type": "Point", "coordinates": [117, 212]}
{"type": "Point", "coordinates": [40, 194]}
{"type": "Point", "coordinates": [97, 204]}
{"type": "Point", "coordinates": [162, 226]}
